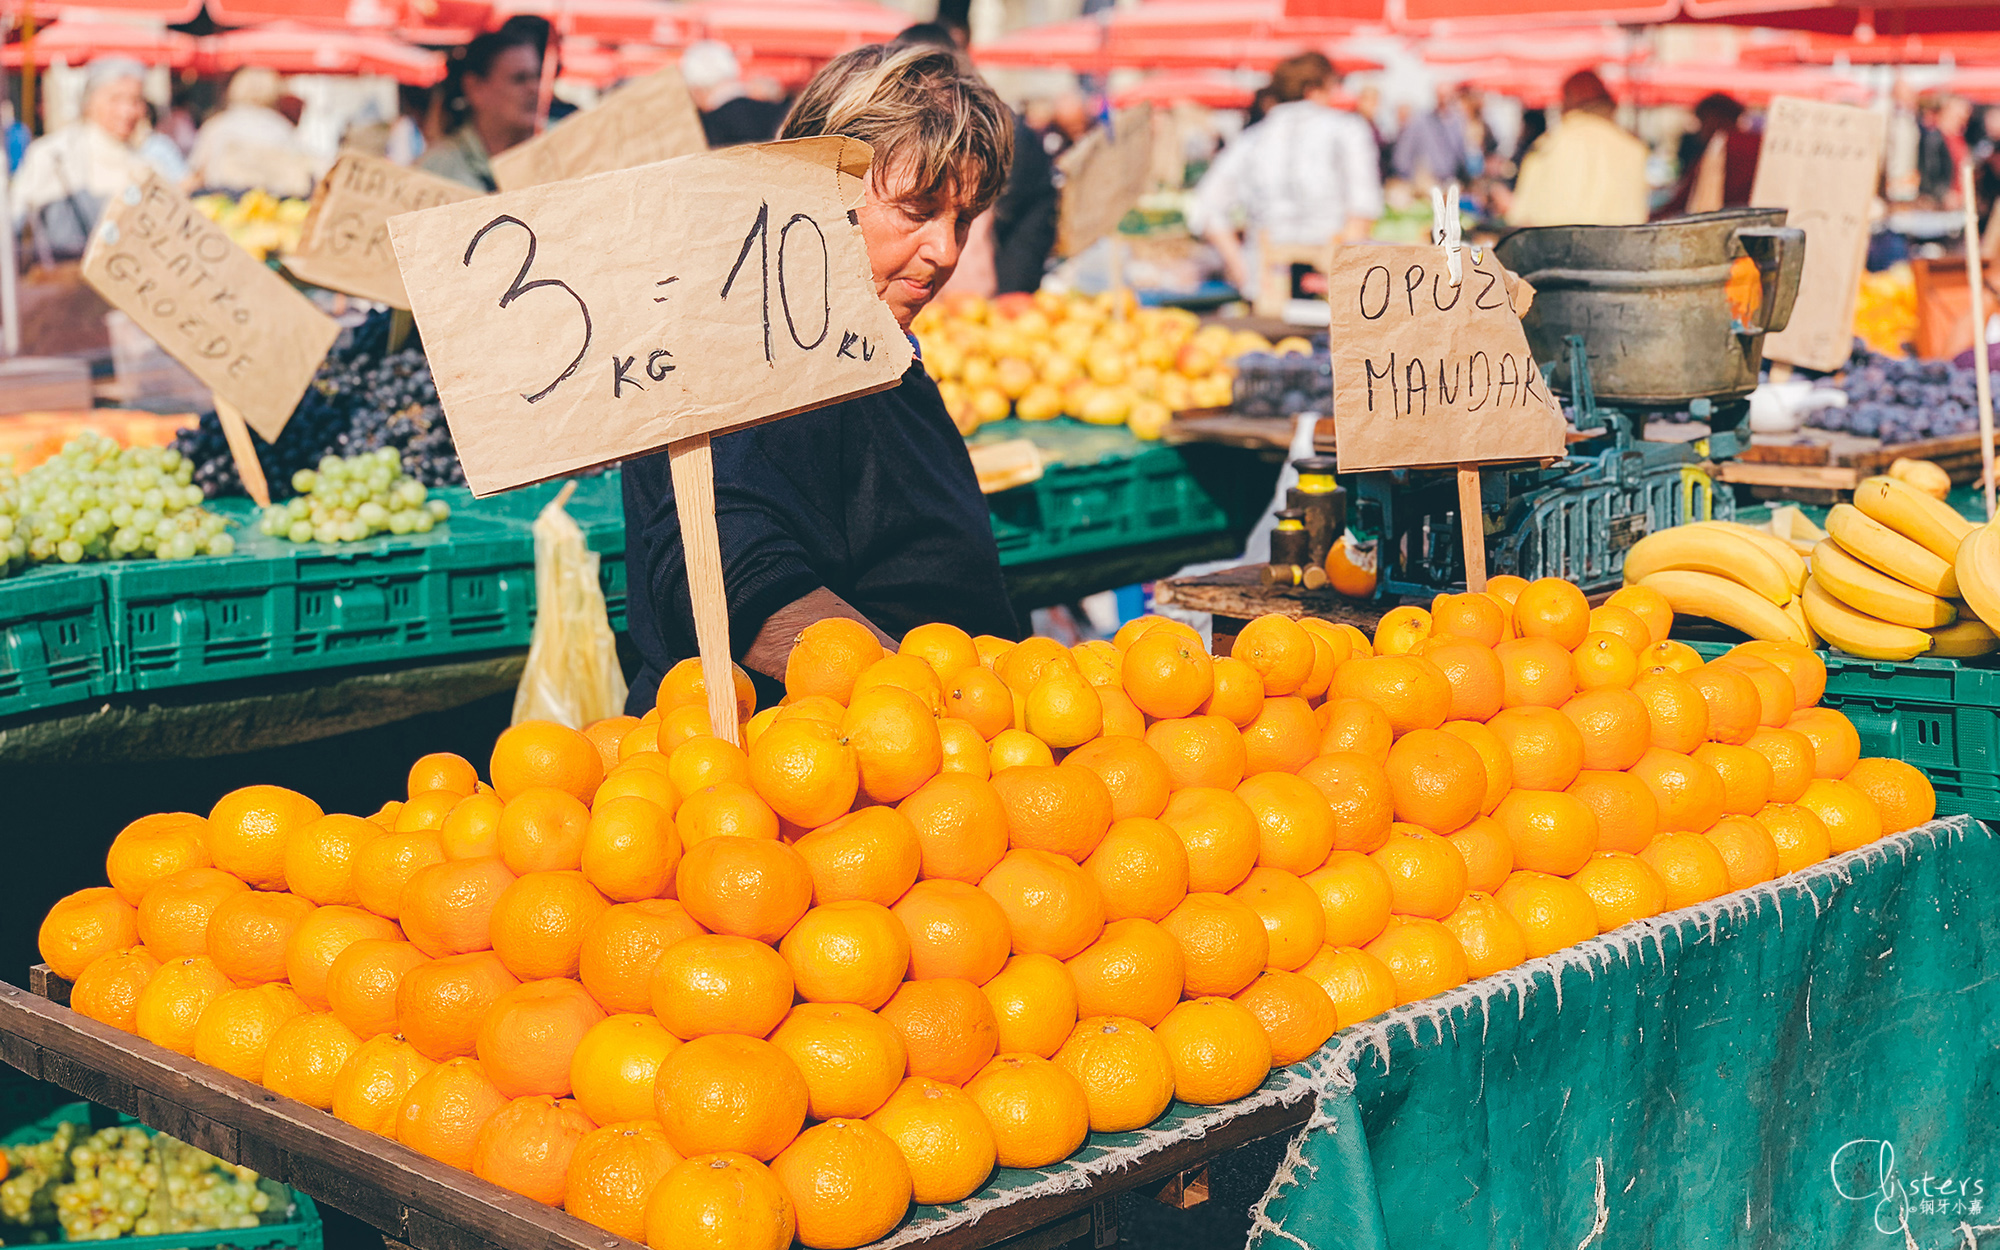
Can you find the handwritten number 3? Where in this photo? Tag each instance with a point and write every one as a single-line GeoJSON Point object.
{"type": "Point", "coordinates": [518, 288]}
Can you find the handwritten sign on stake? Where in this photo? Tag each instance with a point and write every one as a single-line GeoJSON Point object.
{"type": "Point", "coordinates": [344, 241]}
{"type": "Point", "coordinates": [588, 321]}
{"type": "Point", "coordinates": [652, 119]}
{"type": "Point", "coordinates": [1105, 174]}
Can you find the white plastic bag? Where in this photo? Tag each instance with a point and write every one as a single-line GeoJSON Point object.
{"type": "Point", "coordinates": [572, 676]}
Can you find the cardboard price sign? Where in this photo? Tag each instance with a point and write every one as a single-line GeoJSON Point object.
{"type": "Point", "coordinates": [1427, 373]}
{"type": "Point", "coordinates": [1104, 176]}
{"type": "Point", "coordinates": [652, 119]}
{"type": "Point", "coordinates": [243, 330]}
{"type": "Point", "coordinates": [1821, 162]}
{"type": "Point", "coordinates": [344, 242]}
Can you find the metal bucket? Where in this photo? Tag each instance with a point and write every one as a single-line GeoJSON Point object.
{"type": "Point", "coordinates": [1652, 302]}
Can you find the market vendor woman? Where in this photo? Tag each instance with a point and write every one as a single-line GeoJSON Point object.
{"type": "Point", "coordinates": [869, 508]}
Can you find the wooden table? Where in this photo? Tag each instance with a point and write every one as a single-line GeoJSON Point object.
{"type": "Point", "coordinates": [1235, 597]}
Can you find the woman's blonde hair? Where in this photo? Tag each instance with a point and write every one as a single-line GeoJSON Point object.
{"type": "Point", "coordinates": [933, 123]}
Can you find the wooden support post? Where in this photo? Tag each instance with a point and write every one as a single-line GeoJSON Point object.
{"type": "Point", "coordinates": [243, 452]}
{"type": "Point", "coordinates": [1982, 371]}
{"type": "Point", "coordinates": [694, 497]}
{"type": "Point", "coordinates": [1472, 527]}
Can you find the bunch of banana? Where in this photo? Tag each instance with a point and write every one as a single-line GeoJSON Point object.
{"type": "Point", "coordinates": [1746, 578]}
{"type": "Point", "coordinates": [1884, 582]}
{"type": "Point", "coordinates": [1978, 569]}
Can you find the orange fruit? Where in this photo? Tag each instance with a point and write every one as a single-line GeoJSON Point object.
{"type": "Point", "coordinates": [894, 739]}
{"type": "Point", "coordinates": [805, 772]}
{"type": "Point", "coordinates": [872, 854]}
{"type": "Point", "coordinates": [1628, 814]}
{"type": "Point", "coordinates": [1676, 711]}
{"type": "Point", "coordinates": [542, 754]}
{"type": "Point", "coordinates": [537, 923]}
{"type": "Point", "coordinates": [945, 647]}
{"type": "Point", "coordinates": [1122, 717]}
{"type": "Point", "coordinates": [1132, 630]}
{"type": "Point", "coordinates": [1474, 617]}
{"type": "Point", "coordinates": [1290, 909]}
{"type": "Point", "coordinates": [1354, 896]}
{"type": "Point", "coordinates": [1356, 788]}
{"type": "Point", "coordinates": [1141, 870]}
{"type": "Point", "coordinates": [961, 826]}
{"type": "Point", "coordinates": [1550, 607]}
{"type": "Point", "coordinates": [318, 941]}
{"type": "Point", "coordinates": [246, 934]}
{"type": "Point", "coordinates": [850, 1058]}
{"type": "Point", "coordinates": [1132, 772]}
{"type": "Point", "coordinates": [948, 1028]}
{"type": "Point", "coordinates": [1357, 982]}
{"type": "Point", "coordinates": [901, 672]}
{"type": "Point", "coordinates": [1436, 780]}
{"type": "Point", "coordinates": [361, 984]}
{"type": "Point", "coordinates": [748, 887]}
{"type": "Point", "coordinates": [372, 1084]}
{"type": "Point", "coordinates": [1166, 674]}
{"type": "Point", "coordinates": [1488, 853]}
{"type": "Point", "coordinates": [248, 830]}
{"type": "Point", "coordinates": [1790, 755]}
{"type": "Point", "coordinates": [153, 848]}
{"type": "Point", "coordinates": [1553, 913]}
{"type": "Point", "coordinates": [1799, 663]}
{"type": "Point", "coordinates": [1220, 833]}
{"type": "Point", "coordinates": [173, 919]}
{"type": "Point", "coordinates": [642, 739]}
{"type": "Point", "coordinates": [612, 1172]}
{"type": "Point", "coordinates": [1422, 956]}
{"type": "Point", "coordinates": [542, 830]}
{"type": "Point", "coordinates": [1238, 693]}
{"type": "Point", "coordinates": [1126, 1077]}
{"type": "Point", "coordinates": [108, 990]}
{"type": "Point", "coordinates": [1649, 605]}
{"type": "Point", "coordinates": [858, 952]}
{"type": "Point", "coordinates": [1745, 776]}
{"type": "Point", "coordinates": [1799, 834]}
{"type": "Point", "coordinates": [1135, 968]}
{"type": "Point", "coordinates": [1550, 831]}
{"type": "Point", "coordinates": [719, 983]}
{"type": "Point", "coordinates": [1402, 631]}
{"type": "Point", "coordinates": [1689, 793]}
{"type": "Point", "coordinates": [679, 726]}
{"type": "Point", "coordinates": [1604, 662]}
{"type": "Point", "coordinates": [1675, 657]}
{"type": "Point", "coordinates": [630, 850]}
{"type": "Point", "coordinates": [440, 1005]}
{"type": "Point", "coordinates": [1836, 745]}
{"type": "Point", "coordinates": [606, 734]}
{"type": "Point", "coordinates": [1204, 751]}
{"type": "Point", "coordinates": [93, 922]}
{"type": "Point", "coordinates": [428, 810]}
{"type": "Point", "coordinates": [980, 699]}
{"type": "Point", "coordinates": [1064, 810]}
{"type": "Point", "coordinates": [612, 1070]}
{"type": "Point", "coordinates": [1295, 1011]}
{"type": "Point", "coordinates": [236, 1028]}
{"type": "Point", "coordinates": [1279, 649]}
{"type": "Point", "coordinates": [1851, 819]}
{"type": "Point", "coordinates": [1033, 1001]}
{"type": "Point", "coordinates": [828, 658]}
{"type": "Point", "coordinates": [954, 930]}
{"type": "Point", "coordinates": [1623, 623]}
{"type": "Point", "coordinates": [1039, 1113]}
{"type": "Point", "coordinates": [531, 1033]}
{"type": "Point", "coordinates": [943, 1136]}
{"type": "Point", "coordinates": [319, 858]}
{"type": "Point", "coordinates": [444, 1110]}
{"type": "Point", "coordinates": [1410, 690]}
{"type": "Point", "coordinates": [1747, 850]}
{"type": "Point", "coordinates": [1488, 934]}
{"type": "Point", "coordinates": [1063, 709]}
{"type": "Point", "coordinates": [1282, 738]}
{"type": "Point", "coordinates": [1475, 674]}
{"type": "Point", "coordinates": [1903, 796]}
{"type": "Point", "coordinates": [701, 762]}
{"type": "Point", "coordinates": [721, 1199]}
{"type": "Point", "coordinates": [726, 809]}
{"type": "Point", "coordinates": [1544, 746]}
{"type": "Point", "coordinates": [1536, 672]}
{"type": "Point", "coordinates": [306, 1056]}
{"type": "Point", "coordinates": [1734, 705]}
{"type": "Point", "coordinates": [1426, 873]}
{"type": "Point", "coordinates": [1690, 867]}
{"type": "Point", "coordinates": [447, 908]}
{"type": "Point", "coordinates": [686, 685]}
{"type": "Point", "coordinates": [962, 750]}
{"type": "Point", "coordinates": [384, 866]}
{"type": "Point", "coordinates": [526, 1147]}
{"type": "Point", "coordinates": [1219, 1050]}
{"type": "Point", "coordinates": [1030, 661]}
{"type": "Point", "coordinates": [169, 1009]}
{"type": "Point", "coordinates": [472, 831]}
{"type": "Point", "coordinates": [1775, 692]}
{"type": "Point", "coordinates": [1017, 748]}
{"type": "Point", "coordinates": [1355, 725]}
{"type": "Point", "coordinates": [848, 1183]}
{"type": "Point", "coordinates": [620, 947]}
{"type": "Point", "coordinates": [441, 770]}
{"type": "Point", "coordinates": [1223, 943]}
{"type": "Point", "coordinates": [813, 707]}
{"type": "Point", "coordinates": [1295, 825]}
{"type": "Point", "coordinates": [1622, 887]}
{"type": "Point", "coordinates": [1052, 906]}
{"type": "Point", "coordinates": [1614, 725]}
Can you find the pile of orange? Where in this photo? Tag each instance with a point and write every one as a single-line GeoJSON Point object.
{"type": "Point", "coordinates": [957, 906]}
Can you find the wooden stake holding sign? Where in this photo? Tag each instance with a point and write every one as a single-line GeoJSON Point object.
{"type": "Point", "coordinates": [582, 322]}
{"type": "Point", "coordinates": [1981, 366]}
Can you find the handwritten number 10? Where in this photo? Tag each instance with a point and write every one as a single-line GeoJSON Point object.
{"type": "Point", "coordinates": [518, 288]}
{"type": "Point", "coordinates": [760, 234]}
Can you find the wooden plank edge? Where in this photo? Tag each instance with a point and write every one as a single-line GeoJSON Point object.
{"type": "Point", "coordinates": [1820, 477]}
{"type": "Point", "coordinates": [416, 1199]}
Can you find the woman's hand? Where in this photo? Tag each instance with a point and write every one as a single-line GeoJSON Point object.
{"type": "Point", "coordinates": [774, 642]}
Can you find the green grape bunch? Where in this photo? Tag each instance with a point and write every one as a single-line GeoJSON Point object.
{"type": "Point", "coordinates": [94, 500]}
{"type": "Point", "coordinates": [347, 500]}
{"type": "Point", "coordinates": [125, 1181]}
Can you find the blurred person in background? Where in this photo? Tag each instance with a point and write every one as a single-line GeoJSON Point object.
{"type": "Point", "coordinates": [1307, 174]}
{"type": "Point", "coordinates": [729, 113]}
{"type": "Point", "coordinates": [67, 176]}
{"type": "Point", "coordinates": [1587, 171]}
{"type": "Point", "coordinates": [1941, 123]}
{"type": "Point", "coordinates": [249, 145]}
{"type": "Point", "coordinates": [1070, 119]}
{"type": "Point", "coordinates": [1433, 149]}
{"type": "Point", "coordinates": [490, 96]}
{"type": "Point", "coordinates": [1718, 160]}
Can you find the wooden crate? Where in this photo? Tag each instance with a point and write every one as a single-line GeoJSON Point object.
{"type": "Point", "coordinates": [1847, 460]}
{"type": "Point", "coordinates": [430, 1206]}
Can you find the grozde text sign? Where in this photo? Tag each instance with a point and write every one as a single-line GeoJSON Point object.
{"type": "Point", "coordinates": [344, 242]}
{"type": "Point", "coordinates": [592, 320]}
{"type": "Point", "coordinates": [650, 120]}
{"type": "Point", "coordinates": [1428, 373]}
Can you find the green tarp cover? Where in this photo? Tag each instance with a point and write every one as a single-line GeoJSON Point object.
{"type": "Point", "coordinates": [1810, 1063]}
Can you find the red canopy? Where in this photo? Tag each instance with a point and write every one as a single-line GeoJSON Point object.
{"type": "Point", "coordinates": [796, 28]}
{"type": "Point", "coordinates": [1973, 48]}
{"type": "Point", "coordinates": [169, 12]}
{"type": "Point", "coordinates": [1206, 89]}
{"type": "Point", "coordinates": [295, 49]}
{"type": "Point", "coordinates": [1572, 46]}
{"type": "Point", "coordinates": [613, 21]}
{"type": "Point", "coordinates": [1847, 17]}
{"type": "Point", "coordinates": [353, 14]}
{"type": "Point", "coordinates": [78, 42]}
{"type": "Point", "coordinates": [1177, 34]}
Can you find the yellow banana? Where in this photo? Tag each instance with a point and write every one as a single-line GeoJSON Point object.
{"type": "Point", "coordinates": [1904, 559]}
{"type": "Point", "coordinates": [1796, 609]}
{"type": "Point", "coordinates": [1777, 548]}
{"type": "Point", "coordinates": [1932, 524]}
{"type": "Point", "coordinates": [1964, 639]}
{"type": "Point", "coordinates": [1719, 551]}
{"type": "Point", "coordinates": [1876, 594]}
{"type": "Point", "coordinates": [1978, 567]}
{"type": "Point", "coordinates": [1720, 599]}
{"type": "Point", "coordinates": [1925, 475]}
{"type": "Point", "coordinates": [1857, 633]}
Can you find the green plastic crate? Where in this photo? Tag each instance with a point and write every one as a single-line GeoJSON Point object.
{"type": "Point", "coordinates": [597, 506]}
{"type": "Point", "coordinates": [295, 1228]}
{"type": "Point", "coordinates": [55, 638]}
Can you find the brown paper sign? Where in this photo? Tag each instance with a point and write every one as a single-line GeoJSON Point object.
{"type": "Point", "coordinates": [1425, 373]}
{"type": "Point", "coordinates": [344, 242]}
{"type": "Point", "coordinates": [650, 119]}
{"type": "Point", "coordinates": [1104, 176]}
{"type": "Point", "coordinates": [587, 321]}
{"type": "Point", "coordinates": [1821, 161]}
{"type": "Point", "coordinates": [244, 331]}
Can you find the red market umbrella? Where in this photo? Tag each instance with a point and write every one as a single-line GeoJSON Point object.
{"type": "Point", "coordinates": [294, 49]}
{"type": "Point", "coordinates": [808, 28]}
{"type": "Point", "coordinates": [352, 14]}
{"type": "Point", "coordinates": [1446, 16]}
{"type": "Point", "coordinates": [1583, 45]}
{"type": "Point", "coordinates": [167, 12]}
{"type": "Point", "coordinates": [77, 42]}
{"type": "Point", "coordinates": [1204, 89]}
{"type": "Point", "coordinates": [1177, 34]}
{"type": "Point", "coordinates": [1066, 44]}
{"type": "Point", "coordinates": [611, 21]}
{"type": "Point", "coordinates": [1851, 17]}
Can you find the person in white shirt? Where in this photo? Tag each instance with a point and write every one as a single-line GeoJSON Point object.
{"type": "Point", "coordinates": [1307, 174]}
{"type": "Point", "coordinates": [66, 177]}
{"type": "Point", "coordinates": [249, 145]}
